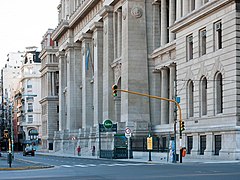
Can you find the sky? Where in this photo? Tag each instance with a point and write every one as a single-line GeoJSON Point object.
{"type": "Point", "coordinates": [23, 23]}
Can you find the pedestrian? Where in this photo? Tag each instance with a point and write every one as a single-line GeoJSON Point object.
{"type": "Point", "coordinates": [79, 150]}
{"type": "Point", "coordinates": [93, 151]}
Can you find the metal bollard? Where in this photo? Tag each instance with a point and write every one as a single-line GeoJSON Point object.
{"type": "Point", "coordinates": [9, 159]}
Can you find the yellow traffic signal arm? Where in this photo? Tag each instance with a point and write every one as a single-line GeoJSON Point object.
{"type": "Point", "coordinates": [155, 97]}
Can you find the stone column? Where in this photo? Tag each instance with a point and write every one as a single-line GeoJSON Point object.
{"type": "Point", "coordinates": [164, 94]}
{"type": "Point", "coordinates": [172, 17]}
{"type": "Point", "coordinates": [172, 82]}
{"type": "Point", "coordinates": [198, 4]}
{"type": "Point", "coordinates": [155, 103]}
{"type": "Point", "coordinates": [179, 9]}
{"type": "Point", "coordinates": [134, 74]}
{"type": "Point", "coordinates": [119, 33]}
{"type": "Point", "coordinates": [49, 84]}
{"type": "Point", "coordinates": [97, 29]}
{"type": "Point", "coordinates": [195, 148]}
{"type": "Point", "coordinates": [78, 82]}
{"type": "Point", "coordinates": [209, 145]}
{"type": "Point", "coordinates": [53, 83]}
{"type": "Point", "coordinates": [87, 81]}
{"type": "Point", "coordinates": [156, 25]}
{"type": "Point", "coordinates": [185, 7]}
{"type": "Point", "coordinates": [117, 101]}
{"type": "Point", "coordinates": [62, 86]}
{"type": "Point", "coordinates": [108, 56]}
{"type": "Point", "coordinates": [164, 30]}
{"type": "Point", "coordinates": [115, 33]}
{"type": "Point", "coordinates": [71, 89]}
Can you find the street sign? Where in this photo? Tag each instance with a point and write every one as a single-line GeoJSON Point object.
{"type": "Point", "coordinates": [149, 143]}
{"type": "Point", "coordinates": [128, 133]}
{"type": "Point", "coordinates": [108, 124]}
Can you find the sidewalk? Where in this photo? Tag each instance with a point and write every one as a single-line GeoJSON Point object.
{"type": "Point", "coordinates": [18, 164]}
{"type": "Point", "coordinates": [143, 157]}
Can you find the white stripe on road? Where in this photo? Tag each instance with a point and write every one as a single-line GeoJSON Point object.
{"type": "Point", "coordinates": [67, 166]}
{"type": "Point", "coordinates": [79, 165]}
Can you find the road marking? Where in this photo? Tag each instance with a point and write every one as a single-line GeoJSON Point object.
{"type": "Point", "coordinates": [79, 165]}
{"type": "Point", "coordinates": [92, 165]}
{"type": "Point", "coordinates": [220, 162]}
{"type": "Point", "coordinates": [67, 166]}
{"type": "Point", "coordinates": [109, 165]}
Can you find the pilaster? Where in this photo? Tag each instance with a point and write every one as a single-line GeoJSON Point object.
{"type": "Point", "coordinates": [108, 56]}
{"type": "Point", "coordinates": [87, 80]}
{"type": "Point", "coordinates": [164, 94]}
{"type": "Point", "coordinates": [62, 86]}
{"type": "Point", "coordinates": [97, 29]}
{"type": "Point", "coordinates": [156, 25]}
{"type": "Point", "coordinates": [134, 71]}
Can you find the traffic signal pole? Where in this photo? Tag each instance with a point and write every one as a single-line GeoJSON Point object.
{"type": "Point", "coordinates": [114, 87]}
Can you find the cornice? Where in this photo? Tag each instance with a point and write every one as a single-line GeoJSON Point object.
{"type": "Point", "coordinates": [60, 30]}
{"type": "Point", "coordinates": [105, 11]}
{"type": "Point", "coordinates": [197, 14]}
{"type": "Point", "coordinates": [162, 50]}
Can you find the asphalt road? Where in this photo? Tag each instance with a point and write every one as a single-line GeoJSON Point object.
{"type": "Point", "coordinates": [97, 169]}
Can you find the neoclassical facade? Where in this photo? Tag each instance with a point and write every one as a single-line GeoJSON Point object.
{"type": "Point", "coordinates": [49, 90]}
{"type": "Point", "coordinates": [168, 48]}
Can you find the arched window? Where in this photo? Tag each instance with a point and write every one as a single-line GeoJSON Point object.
{"type": "Point", "coordinates": [218, 93]}
{"type": "Point", "coordinates": [190, 100]}
{"type": "Point", "coordinates": [203, 96]}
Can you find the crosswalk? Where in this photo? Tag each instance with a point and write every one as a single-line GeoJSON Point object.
{"type": "Point", "coordinates": [107, 165]}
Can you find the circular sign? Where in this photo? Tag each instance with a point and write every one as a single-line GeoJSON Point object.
{"type": "Point", "coordinates": [127, 130]}
{"type": "Point", "coordinates": [108, 124]}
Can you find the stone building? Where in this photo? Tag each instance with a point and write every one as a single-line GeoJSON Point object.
{"type": "Point", "coordinates": [29, 92]}
{"type": "Point", "coordinates": [49, 91]}
{"type": "Point", "coordinates": [168, 48]}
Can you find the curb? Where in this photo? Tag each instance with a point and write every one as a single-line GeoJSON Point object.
{"type": "Point", "coordinates": [25, 168]}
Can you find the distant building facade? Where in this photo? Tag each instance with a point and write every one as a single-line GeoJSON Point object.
{"type": "Point", "coordinates": [49, 90]}
{"type": "Point", "coordinates": [167, 48]}
{"type": "Point", "coordinates": [30, 94]}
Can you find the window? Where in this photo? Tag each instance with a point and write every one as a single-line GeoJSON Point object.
{"type": "Point", "coordinates": [189, 144]}
{"type": "Point", "coordinates": [217, 146]}
{"type": "Point", "coordinates": [30, 107]}
{"type": "Point", "coordinates": [190, 101]}
{"type": "Point", "coordinates": [217, 36]}
{"type": "Point", "coordinates": [192, 5]}
{"type": "Point", "coordinates": [30, 118]}
{"type": "Point", "coordinates": [202, 144]}
{"type": "Point", "coordinates": [29, 86]}
{"type": "Point", "coordinates": [203, 96]}
{"type": "Point", "coordinates": [218, 93]}
{"type": "Point", "coordinates": [202, 42]}
{"type": "Point", "coordinates": [29, 98]}
{"type": "Point", "coordinates": [189, 47]}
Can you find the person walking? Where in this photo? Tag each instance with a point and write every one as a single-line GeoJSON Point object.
{"type": "Point", "coordinates": [79, 151]}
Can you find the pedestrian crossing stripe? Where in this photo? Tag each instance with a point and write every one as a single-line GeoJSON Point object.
{"type": "Point", "coordinates": [67, 166]}
{"type": "Point", "coordinates": [109, 165]}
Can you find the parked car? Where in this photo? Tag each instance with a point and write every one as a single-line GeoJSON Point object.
{"type": "Point", "coordinates": [29, 150]}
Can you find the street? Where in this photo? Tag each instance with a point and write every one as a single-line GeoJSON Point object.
{"type": "Point", "coordinates": [82, 168]}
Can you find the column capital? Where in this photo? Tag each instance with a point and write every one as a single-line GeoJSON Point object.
{"type": "Point", "coordinates": [85, 36]}
{"type": "Point", "coordinates": [105, 11]}
{"type": "Point", "coordinates": [156, 2]}
{"type": "Point", "coordinates": [60, 54]}
{"type": "Point", "coordinates": [96, 26]}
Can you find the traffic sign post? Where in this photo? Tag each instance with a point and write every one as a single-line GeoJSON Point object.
{"type": "Point", "coordinates": [149, 147]}
{"type": "Point", "coordinates": [128, 136]}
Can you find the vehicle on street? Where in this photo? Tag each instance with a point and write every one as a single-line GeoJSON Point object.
{"type": "Point", "coordinates": [29, 150]}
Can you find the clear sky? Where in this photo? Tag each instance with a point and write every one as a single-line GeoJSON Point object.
{"type": "Point", "coordinates": [23, 23]}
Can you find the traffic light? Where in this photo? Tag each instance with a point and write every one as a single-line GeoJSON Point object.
{"type": "Point", "coordinates": [114, 91]}
{"type": "Point", "coordinates": [5, 134]}
{"type": "Point", "coordinates": [182, 126]}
